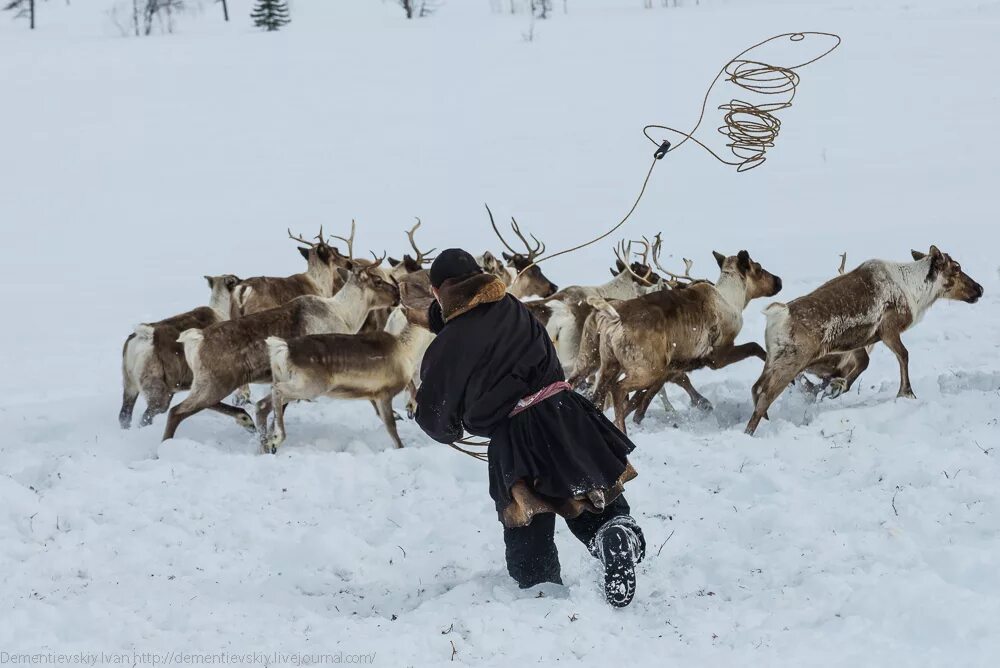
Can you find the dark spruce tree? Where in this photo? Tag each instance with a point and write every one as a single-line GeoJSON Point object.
{"type": "Point", "coordinates": [270, 14]}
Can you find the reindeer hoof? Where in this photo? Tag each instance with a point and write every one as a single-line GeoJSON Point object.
{"type": "Point", "coordinates": [246, 422]}
{"type": "Point", "coordinates": [836, 388]}
{"type": "Point", "coordinates": [703, 405]}
{"type": "Point", "coordinates": [908, 394]}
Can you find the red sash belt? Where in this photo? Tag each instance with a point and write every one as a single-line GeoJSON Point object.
{"type": "Point", "coordinates": [540, 396]}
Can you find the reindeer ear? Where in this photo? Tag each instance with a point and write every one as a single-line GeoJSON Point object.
{"type": "Point", "coordinates": [232, 281]}
{"type": "Point", "coordinates": [210, 281]}
{"type": "Point", "coordinates": [935, 253]}
{"type": "Point", "coordinates": [507, 256]}
{"type": "Point", "coordinates": [743, 262]}
{"type": "Point", "coordinates": [720, 258]}
{"type": "Point", "coordinates": [410, 264]}
{"type": "Point", "coordinates": [323, 251]}
{"type": "Point", "coordinates": [917, 255]}
{"type": "Point", "coordinates": [304, 252]}
{"type": "Point", "coordinates": [393, 261]}
{"type": "Point", "coordinates": [619, 265]}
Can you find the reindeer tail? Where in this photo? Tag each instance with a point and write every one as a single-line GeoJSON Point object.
{"type": "Point", "coordinates": [605, 311]}
{"type": "Point", "coordinates": [775, 309]}
{"type": "Point", "coordinates": [277, 351]}
{"type": "Point", "coordinates": [191, 339]}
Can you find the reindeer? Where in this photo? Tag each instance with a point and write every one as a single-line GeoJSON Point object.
{"type": "Point", "coordinates": [369, 365]}
{"type": "Point", "coordinates": [227, 355]}
{"type": "Point", "coordinates": [321, 279]}
{"type": "Point", "coordinates": [153, 362]}
{"type": "Point", "coordinates": [877, 301]}
{"type": "Point", "coordinates": [526, 278]}
{"type": "Point", "coordinates": [648, 340]}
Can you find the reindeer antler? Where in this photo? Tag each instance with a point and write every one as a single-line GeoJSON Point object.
{"type": "Point", "coordinates": [300, 239]}
{"type": "Point", "coordinates": [349, 241]}
{"type": "Point", "coordinates": [422, 257]}
{"type": "Point", "coordinates": [624, 254]}
{"type": "Point", "coordinates": [532, 252]}
{"type": "Point", "coordinates": [843, 263]}
{"type": "Point", "coordinates": [378, 260]}
{"type": "Point", "coordinates": [676, 278]}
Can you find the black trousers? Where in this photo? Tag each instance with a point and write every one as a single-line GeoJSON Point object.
{"type": "Point", "coordinates": [531, 552]}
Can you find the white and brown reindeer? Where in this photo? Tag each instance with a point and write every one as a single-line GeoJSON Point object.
{"type": "Point", "coordinates": [877, 301]}
{"type": "Point", "coordinates": [231, 354]}
{"type": "Point", "coordinates": [369, 365]}
{"type": "Point", "coordinates": [153, 361]}
{"type": "Point", "coordinates": [645, 342]}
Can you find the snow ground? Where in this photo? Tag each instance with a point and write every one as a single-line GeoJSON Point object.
{"type": "Point", "coordinates": [857, 532]}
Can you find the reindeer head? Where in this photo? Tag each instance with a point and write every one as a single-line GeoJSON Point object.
{"type": "Point", "coordinates": [381, 288]}
{"type": "Point", "coordinates": [947, 273]}
{"type": "Point", "coordinates": [759, 282]}
{"type": "Point", "coordinates": [491, 264]}
{"type": "Point", "coordinates": [224, 283]}
{"type": "Point", "coordinates": [322, 259]}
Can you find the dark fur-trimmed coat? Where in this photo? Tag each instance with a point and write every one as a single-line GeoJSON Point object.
{"type": "Point", "coordinates": [561, 455]}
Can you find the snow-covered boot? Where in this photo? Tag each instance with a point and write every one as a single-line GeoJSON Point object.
{"type": "Point", "coordinates": [620, 545]}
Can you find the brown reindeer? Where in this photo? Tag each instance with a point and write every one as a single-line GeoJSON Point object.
{"type": "Point", "coordinates": [153, 361]}
{"type": "Point", "coordinates": [230, 354]}
{"type": "Point", "coordinates": [369, 365]}
{"type": "Point", "coordinates": [646, 341]}
{"type": "Point", "coordinates": [877, 301]}
{"type": "Point", "coordinates": [320, 278]}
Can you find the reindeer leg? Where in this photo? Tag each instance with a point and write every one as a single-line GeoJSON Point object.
{"type": "Point", "coordinates": [185, 409]}
{"type": "Point", "coordinates": [667, 406]}
{"type": "Point", "coordinates": [726, 356]}
{"type": "Point", "coordinates": [861, 360]}
{"type": "Point", "coordinates": [157, 401]}
{"type": "Point", "coordinates": [241, 416]}
{"type": "Point", "coordinates": [264, 407]}
{"type": "Point", "coordinates": [242, 395]}
{"type": "Point", "coordinates": [684, 382]}
{"type": "Point", "coordinates": [777, 374]}
{"type": "Point", "coordinates": [895, 344]}
{"type": "Point", "coordinates": [277, 436]}
{"type": "Point", "coordinates": [384, 408]}
{"type": "Point", "coordinates": [130, 394]}
{"type": "Point", "coordinates": [411, 401]}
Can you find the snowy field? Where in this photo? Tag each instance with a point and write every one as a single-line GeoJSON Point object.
{"type": "Point", "coordinates": [860, 531]}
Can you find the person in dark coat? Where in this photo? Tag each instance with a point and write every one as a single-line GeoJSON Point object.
{"type": "Point", "coordinates": [492, 371]}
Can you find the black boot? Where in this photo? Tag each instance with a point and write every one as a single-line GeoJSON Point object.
{"type": "Point", "coordinates": [620, 545]}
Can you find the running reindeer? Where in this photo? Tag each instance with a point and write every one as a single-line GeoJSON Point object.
{"type": "Point", "coordinates": [878, 301]}
{"type": "Point", "coordinates": [369, 365]}
{"type": "Point", "coordinates": [645, 342]}
{"type": "Point", "coordinates": [231, 354]}
{"type": "Point", "coordinates": [153, 361]}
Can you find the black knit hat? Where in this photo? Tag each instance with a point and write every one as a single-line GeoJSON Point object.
{"type": "Point", "coordinates": [453, 263]}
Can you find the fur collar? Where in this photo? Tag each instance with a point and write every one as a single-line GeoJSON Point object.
{"type": "Point", "coordinates": [458, 296]}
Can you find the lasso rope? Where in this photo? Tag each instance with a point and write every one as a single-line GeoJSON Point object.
{"type": "Point", "coordinates": [750, 128]}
